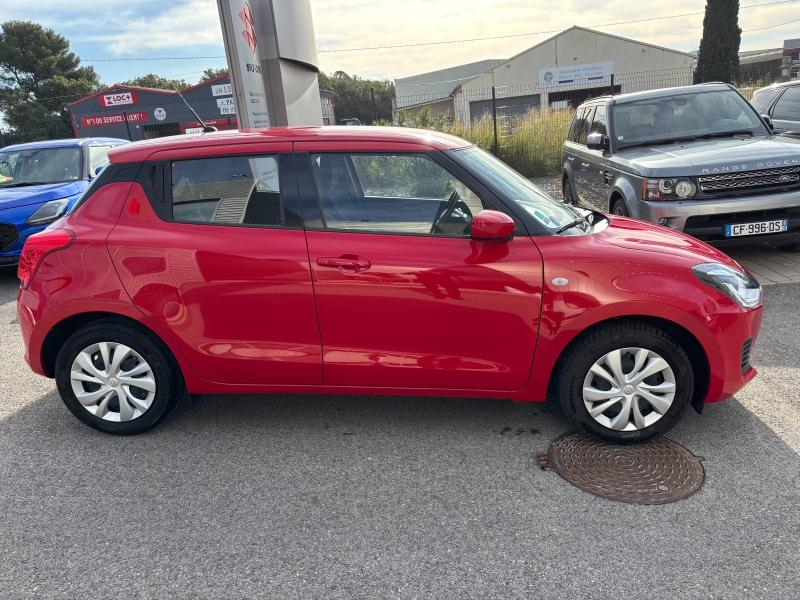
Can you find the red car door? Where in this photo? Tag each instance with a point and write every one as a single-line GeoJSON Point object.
{"type": "Point", "coordinates": [216, 257]}
{"type": "Point", "coordinates": [406, 299]}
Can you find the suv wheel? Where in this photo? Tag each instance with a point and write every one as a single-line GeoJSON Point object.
{"type": "Point", "coordinates": [115, 379]}
{"type": "Point", "coordinates": [566, 191]}
{"type": "Point", "coordinates": [619, 208]}
{"type": "Point", "coordinates": [626, 383]}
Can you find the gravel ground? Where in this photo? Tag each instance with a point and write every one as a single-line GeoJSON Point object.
{"type": "Point", "coordinates": [551, 185]}
{"type": "Point", "coordinates": [316, 497]}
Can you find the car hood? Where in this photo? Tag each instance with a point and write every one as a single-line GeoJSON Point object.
{"type": "Point", "coordinates": [712, 156]}
{"type": "Point", "coordinates": [38, 194]}
{"type": "Point", "coordinates": [639, 236]}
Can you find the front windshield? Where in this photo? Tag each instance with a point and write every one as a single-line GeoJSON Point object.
{"type": "Point", "coordinates": [682, 117]}
{"type": "Point", "coordinates": [548, 211]}
{"type": "Point", "coordinates": [40, 165]}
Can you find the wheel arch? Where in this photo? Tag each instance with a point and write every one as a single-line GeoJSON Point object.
{"type": "Point", "coordinates": [62, 330]}
{"type": "Point", "coordinates": [690, 344]}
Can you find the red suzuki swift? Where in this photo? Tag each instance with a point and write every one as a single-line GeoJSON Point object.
{"type": "Point", "coordinates": [371, 261]}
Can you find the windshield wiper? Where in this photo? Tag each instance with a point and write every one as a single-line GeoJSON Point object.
{"type": "Point", "coordinates": [655, 142]}
{"type": "Point", "coordinates": [725, 134]}
{"type": "Point", "coordinates": [576, 222]}
{"type": "Point", "coordinates": [24, 183]}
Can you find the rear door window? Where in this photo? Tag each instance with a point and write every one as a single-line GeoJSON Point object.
{"type": "Point", "coordinates": [788, 107]}
{"type": "Point", "coordinates": [231, 190]}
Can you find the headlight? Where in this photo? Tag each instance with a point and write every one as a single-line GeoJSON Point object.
{"type": "Point", "coordinates": [668, 189]}
{"type": "Point", "coordinates": [738, 286]}
{"type": "Point", "coordinates": [48, 212]}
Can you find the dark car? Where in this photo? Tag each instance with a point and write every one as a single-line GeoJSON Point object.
{"type": "Point", "coordinates": [781, 103]}
{"type": "Point", "coordinates": [697, 159]}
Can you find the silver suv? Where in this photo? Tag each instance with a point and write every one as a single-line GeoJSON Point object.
{"type": "Point", "coordinates": [697, 159]}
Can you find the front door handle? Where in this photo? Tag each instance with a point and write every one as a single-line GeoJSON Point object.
{"type": "Point", "coordinates": [347, 263]}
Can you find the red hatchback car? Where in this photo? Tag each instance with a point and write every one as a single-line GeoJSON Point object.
{"type": "Point", "coordinates": [371, 261]}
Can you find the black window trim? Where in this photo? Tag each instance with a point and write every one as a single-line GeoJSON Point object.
{"type": "Point", "coordinates": [489, 199]}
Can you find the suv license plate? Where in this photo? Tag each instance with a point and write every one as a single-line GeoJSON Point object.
{"type": "Point", "coordinates": [760, 228]}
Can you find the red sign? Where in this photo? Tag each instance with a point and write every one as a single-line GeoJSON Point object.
{"type": "Point", "coordinates": [118, 119]}
{"type": "Point", "coordinates": [249, 31]}
{"type": "Point", "coordinates": [118, 99]}
{"type": "Point", "coordinates": [196, 126]}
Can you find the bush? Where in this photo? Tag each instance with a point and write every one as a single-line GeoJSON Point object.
{"type": "Point", "coordinates": [530, 144]}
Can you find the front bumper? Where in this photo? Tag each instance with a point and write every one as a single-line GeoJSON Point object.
{"type": "Point", "coordinates": [706, 219]}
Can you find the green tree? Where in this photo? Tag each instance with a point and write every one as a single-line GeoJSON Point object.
{"type": "Point", "coordinates": [38, 77]}
{"type": "Point", "coordinates": [353, 97]}
{"type": "Point", "coordinates": [151, 80]}
{"type": "Point", "coordinates": [718, 58]}
{"type": "Point", "coordinates": [213, 73]}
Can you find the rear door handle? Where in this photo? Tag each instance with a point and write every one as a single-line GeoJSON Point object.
{"type": "Point", "coordinates": [344, 263]}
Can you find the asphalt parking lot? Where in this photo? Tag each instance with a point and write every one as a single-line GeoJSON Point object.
{"type": "Point", "coordinates": [342, 497]}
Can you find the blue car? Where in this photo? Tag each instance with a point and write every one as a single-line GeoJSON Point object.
{"type": "Point", "coordinates": [40, 181]}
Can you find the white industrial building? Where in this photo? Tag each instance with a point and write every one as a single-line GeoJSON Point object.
{"type": "Point", "coordinates": [563, 70]}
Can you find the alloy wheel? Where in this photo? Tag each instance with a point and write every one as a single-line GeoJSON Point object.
{"type": "Point", "coordinates": [629, 389]}
{"type": "Point", "coordinates": [112, 381]}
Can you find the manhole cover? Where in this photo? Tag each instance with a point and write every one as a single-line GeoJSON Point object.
{"type": "Point", "coordinates": [658, 471]}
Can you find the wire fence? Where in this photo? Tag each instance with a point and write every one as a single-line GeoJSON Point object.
{"type": "Point", "coordinates": [526, 124]}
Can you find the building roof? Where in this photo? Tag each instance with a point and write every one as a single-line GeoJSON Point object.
{"type": "Point", "coordinates": [756, 56]}
{"type": "Point", "coordinates": [139, 88]}
{"type": "Point", "coordinates": [65, 143]}
{"type": "Point", "coordinates": [139, 151]}
{"type": "Point", "coordinates": [600, 33]}
{"type": "Point", "coordinates": [435, 85]}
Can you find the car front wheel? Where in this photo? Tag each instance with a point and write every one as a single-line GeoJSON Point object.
{"type": "Point", "coordinates": [114, 378]}
{"type": "Point", "coordinates": [626, 382]}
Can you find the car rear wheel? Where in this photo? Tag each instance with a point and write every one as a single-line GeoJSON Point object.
{"type": "Point", "coordinates": [114, 378]}
{"type": "Point", "coordinates": [626, 382]}
{"type": "Point", "coordinates": [618, 208]}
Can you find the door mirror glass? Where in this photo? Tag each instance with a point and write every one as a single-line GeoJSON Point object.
{"type": "Point", "coordinates": [597, 141]}
{"type": "Point", "coordinates": [492, 225]}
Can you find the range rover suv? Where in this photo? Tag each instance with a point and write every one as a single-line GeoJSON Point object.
{"type": "Point", "coordinates": [698, 159]}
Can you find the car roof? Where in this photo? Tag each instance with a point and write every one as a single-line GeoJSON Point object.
{"type": "Point", "coordinates": [65, 143]}
{"type": "Point", "coordinates": [780, 85]}
{"type": "Point", "coordinates": [434, 140]}
{"type": "Point", "coordinates": [660, 93]}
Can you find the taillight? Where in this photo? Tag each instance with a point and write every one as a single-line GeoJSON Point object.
{"type": "Point", "coordinates": [37, 247]}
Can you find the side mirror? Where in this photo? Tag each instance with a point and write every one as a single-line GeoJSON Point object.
{"type": "Point", "coordinates": [597, 141]}
{"type": "Point", "coordinates": [768, 121]}
{"type": "Point", "coordinates": [490, 225]}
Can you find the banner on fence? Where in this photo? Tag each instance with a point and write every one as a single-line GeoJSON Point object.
{"type": "Point", "coordinates": [572, 74]}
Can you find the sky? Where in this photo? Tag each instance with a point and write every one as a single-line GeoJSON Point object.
{"type": "Point", "coordinates": [130, 31]}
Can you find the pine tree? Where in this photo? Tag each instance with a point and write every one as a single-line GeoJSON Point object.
{"type": "Point", "coordinates": [718, 59]}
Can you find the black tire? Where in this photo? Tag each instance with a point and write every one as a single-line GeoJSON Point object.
{"type": "Point", "coordinates": [166, 380]}
{"type": "Point", "coordinates": [619, 208]}
{"type": "Point", "coordinates": [567, 193]}
{"type": "Point", "coordinates": [580, 357]}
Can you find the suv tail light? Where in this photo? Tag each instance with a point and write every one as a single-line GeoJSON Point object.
{"type": "Point", "coordinates": [37, 247]}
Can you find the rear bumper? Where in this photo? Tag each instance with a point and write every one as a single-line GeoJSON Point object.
{"type": "Point", "coordinates": [706, 219]}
